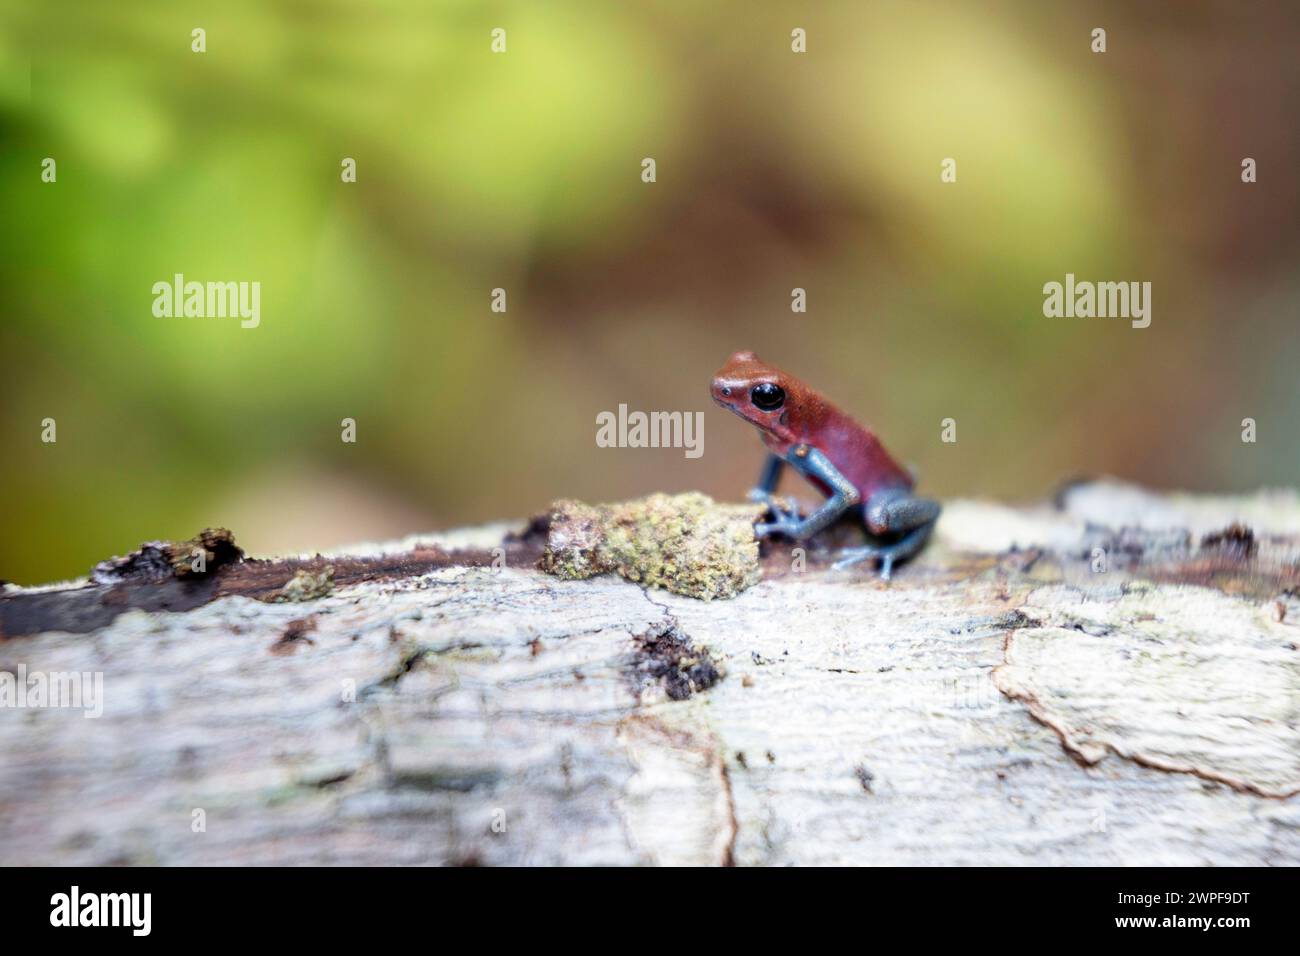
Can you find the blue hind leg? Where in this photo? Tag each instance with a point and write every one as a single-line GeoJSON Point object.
{"type": "Point", "coordinates": [894, 512]}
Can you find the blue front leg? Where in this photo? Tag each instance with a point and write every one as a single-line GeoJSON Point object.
{"type": "Point", "coordinates": [811, 463]}
{"type": "Point", "coordinates": [768, 479]}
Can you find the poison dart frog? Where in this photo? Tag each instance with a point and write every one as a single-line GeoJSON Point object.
{"type": "Point", "coordinates": [841, 458]}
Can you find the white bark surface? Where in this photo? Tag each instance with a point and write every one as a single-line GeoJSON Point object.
{"type": "Point", "coordinates": [998, 702]}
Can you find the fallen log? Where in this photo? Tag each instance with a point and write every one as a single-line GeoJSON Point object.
{"type": "Point", "coordinates": [1109, 678]}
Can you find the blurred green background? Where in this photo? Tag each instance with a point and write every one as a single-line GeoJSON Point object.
{"type": "Point", "coordinates": [522, 171]}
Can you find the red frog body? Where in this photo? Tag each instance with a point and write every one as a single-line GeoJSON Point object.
{"type": "Point", "coordinates": [841, 458]}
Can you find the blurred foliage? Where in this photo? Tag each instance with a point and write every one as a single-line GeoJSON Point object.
{"type": "Point", "coordinates": [522, 171]}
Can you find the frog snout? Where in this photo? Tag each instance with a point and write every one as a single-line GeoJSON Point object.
{"type": "Point", "coordinates": [722, 392]}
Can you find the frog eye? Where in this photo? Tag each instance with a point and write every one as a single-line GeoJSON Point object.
{"type": "Point", "coordinates": [767, 396]}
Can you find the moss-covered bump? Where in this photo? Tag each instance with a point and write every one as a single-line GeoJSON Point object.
{"type": "Point", "coordinates": [688, 543]}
